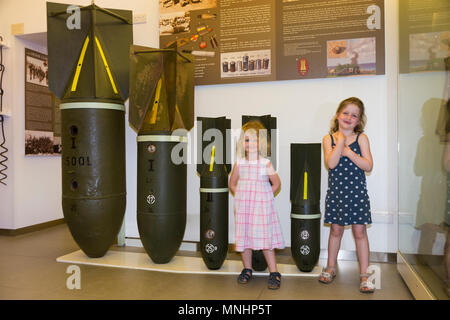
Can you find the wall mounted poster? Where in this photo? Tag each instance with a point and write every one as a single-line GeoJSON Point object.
{"type": "Point", "coordinates": [42, 115]}
{"type": "Point", "coordinates": [266, 40]}
{"type": "Point", "coordinates": [424, 35]}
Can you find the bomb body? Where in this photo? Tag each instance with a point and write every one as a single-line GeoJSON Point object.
{"type": "Point", "coordinates": [305, 198]}
{"type": "Point", "coordinates": [213, 170]}
{"type": "Point", "coordinates": [214, 216]}
{"type": "Point", "coordinates": [93, 186]}
{"type": "Point", "coordinates": [161, 196]}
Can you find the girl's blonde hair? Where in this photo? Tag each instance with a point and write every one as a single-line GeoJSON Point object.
{"type": "Point", "coordinates": [260, 131]}
{"type": "Point", "coordinates": [362, 116]}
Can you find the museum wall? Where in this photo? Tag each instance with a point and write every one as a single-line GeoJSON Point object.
{"type": "Point", "coordinates": [304, 109]}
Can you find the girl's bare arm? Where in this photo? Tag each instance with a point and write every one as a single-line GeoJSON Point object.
{"type": "Point", "coordinates": [234, 178]}
{"type": "Point", "coordinates": [274, 178]}
{"type": "Point", "coordinates": [332, 155]}
{"type": "Point", "coordinates": [365, 161]}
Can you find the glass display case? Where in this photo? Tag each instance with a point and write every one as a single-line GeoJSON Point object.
{"type": "Point", "coordinates": [424, 147]}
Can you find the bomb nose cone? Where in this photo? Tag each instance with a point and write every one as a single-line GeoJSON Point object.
{"type": "Point", "coordinates": [94, 223]}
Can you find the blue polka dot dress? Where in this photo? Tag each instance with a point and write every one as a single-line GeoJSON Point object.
{"type": "Point", "coordinates": [347, 201]}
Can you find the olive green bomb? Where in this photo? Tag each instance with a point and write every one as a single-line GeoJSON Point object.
{"type": "Point", "coordinates": [88, 71]}
{"type": "Point", "coordinates": [161, 112]}
{"type": "Point", "coordinates": [213, 169]}
{"type": "Point", "coordinates": [305, 202]}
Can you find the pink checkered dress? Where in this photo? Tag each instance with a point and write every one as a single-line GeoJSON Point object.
{"type": "Point", "coordinates": [257, 225]}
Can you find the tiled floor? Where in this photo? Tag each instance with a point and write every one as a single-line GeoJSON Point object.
{"type": "Point", "coordinates": [28, 270]}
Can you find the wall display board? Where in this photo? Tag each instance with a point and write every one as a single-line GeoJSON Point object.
{"type": "Point", "coordinates": [266, 40]}
{"type": "Point", "coordinates": [42, 114]}
{"type": "Point", "coordinates": [424, 35]}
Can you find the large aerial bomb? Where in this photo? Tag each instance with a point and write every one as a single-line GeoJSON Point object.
{"type": "Point", "coordinates": [305, 199]}
{"type": "Point", "coordinates": [161, 112]}
{"type": "Point", "coordinates": [88, 71]}
{"type": "Point", "coordinates": [214, 189]}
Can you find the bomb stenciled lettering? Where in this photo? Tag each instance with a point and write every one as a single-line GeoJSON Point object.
{"type": "Point", "coordinates": [150, 165]}
{"type": "Point", "coordinates": [78, 161]}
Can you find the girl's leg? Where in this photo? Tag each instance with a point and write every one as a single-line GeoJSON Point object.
{"type": "Point", "coordinates": [362, 250]}
{"type": "Point", "coordinates": [362, 246]}
{"type": "Point", "coordinates": [269, 255]}
{"type": "Point", "coordinates": [247, 258]}
{"type": "Point", "coordinates": [334, 244]}
{"type": "Point", "coordinates": [246, 273]}
{"type": "Point", "coordinates": [275, 276]}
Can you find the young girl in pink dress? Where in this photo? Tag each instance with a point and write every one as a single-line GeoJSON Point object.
{"type": "Point", "coordinates": [254, 182]}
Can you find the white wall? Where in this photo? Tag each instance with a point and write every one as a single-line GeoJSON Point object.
{"type": "Point", "coordinates": [303, 109]}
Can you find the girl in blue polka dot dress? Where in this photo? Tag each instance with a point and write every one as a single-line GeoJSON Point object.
{"type": "Point", "coordinates": [348, 157]}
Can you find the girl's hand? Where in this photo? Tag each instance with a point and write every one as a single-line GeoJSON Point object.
{"type": "Point", "coordinates": [347, 152]}
{"type": "Point", "coordinates": [365, 161]}
{"type": "Point", "coordinates": [340, 138]}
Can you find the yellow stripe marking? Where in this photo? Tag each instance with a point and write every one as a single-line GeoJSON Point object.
{"type": "Point", "coordinates": [106, 66]}
{"type": "Point", "coordinates": [211, 164]}
{"type": "Point", "coordinates": [305, 186]}
{"type": "Point", "coordinates": [156, 102]}
{"type": "Point", "coordinates": [79, 65]}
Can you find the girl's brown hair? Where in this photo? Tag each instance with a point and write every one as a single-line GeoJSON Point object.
{"type": "Point", "coordinates": [362, 116]}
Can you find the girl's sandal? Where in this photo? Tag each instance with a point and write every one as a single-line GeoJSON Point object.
{"type": "Point", "coordinates": [366, 286]}
{"type": "Point", "coordinates": [327, 277]}
{"type": "Point", "coordinates": [245, 276]}
{"type": "Point", "coordinates": [274, 280]}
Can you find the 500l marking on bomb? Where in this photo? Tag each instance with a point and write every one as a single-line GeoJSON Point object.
{"type": "Point", "coordinates": [78, 161]}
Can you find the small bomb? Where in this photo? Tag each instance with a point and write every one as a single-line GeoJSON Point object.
{"type": "Point", "coordinates": [214, 192]}
{"type": "Point", "coordinates": [305, 198]}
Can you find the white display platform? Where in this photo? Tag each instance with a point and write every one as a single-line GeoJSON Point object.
{"type": "Point", "coordinates": [179, 264]}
